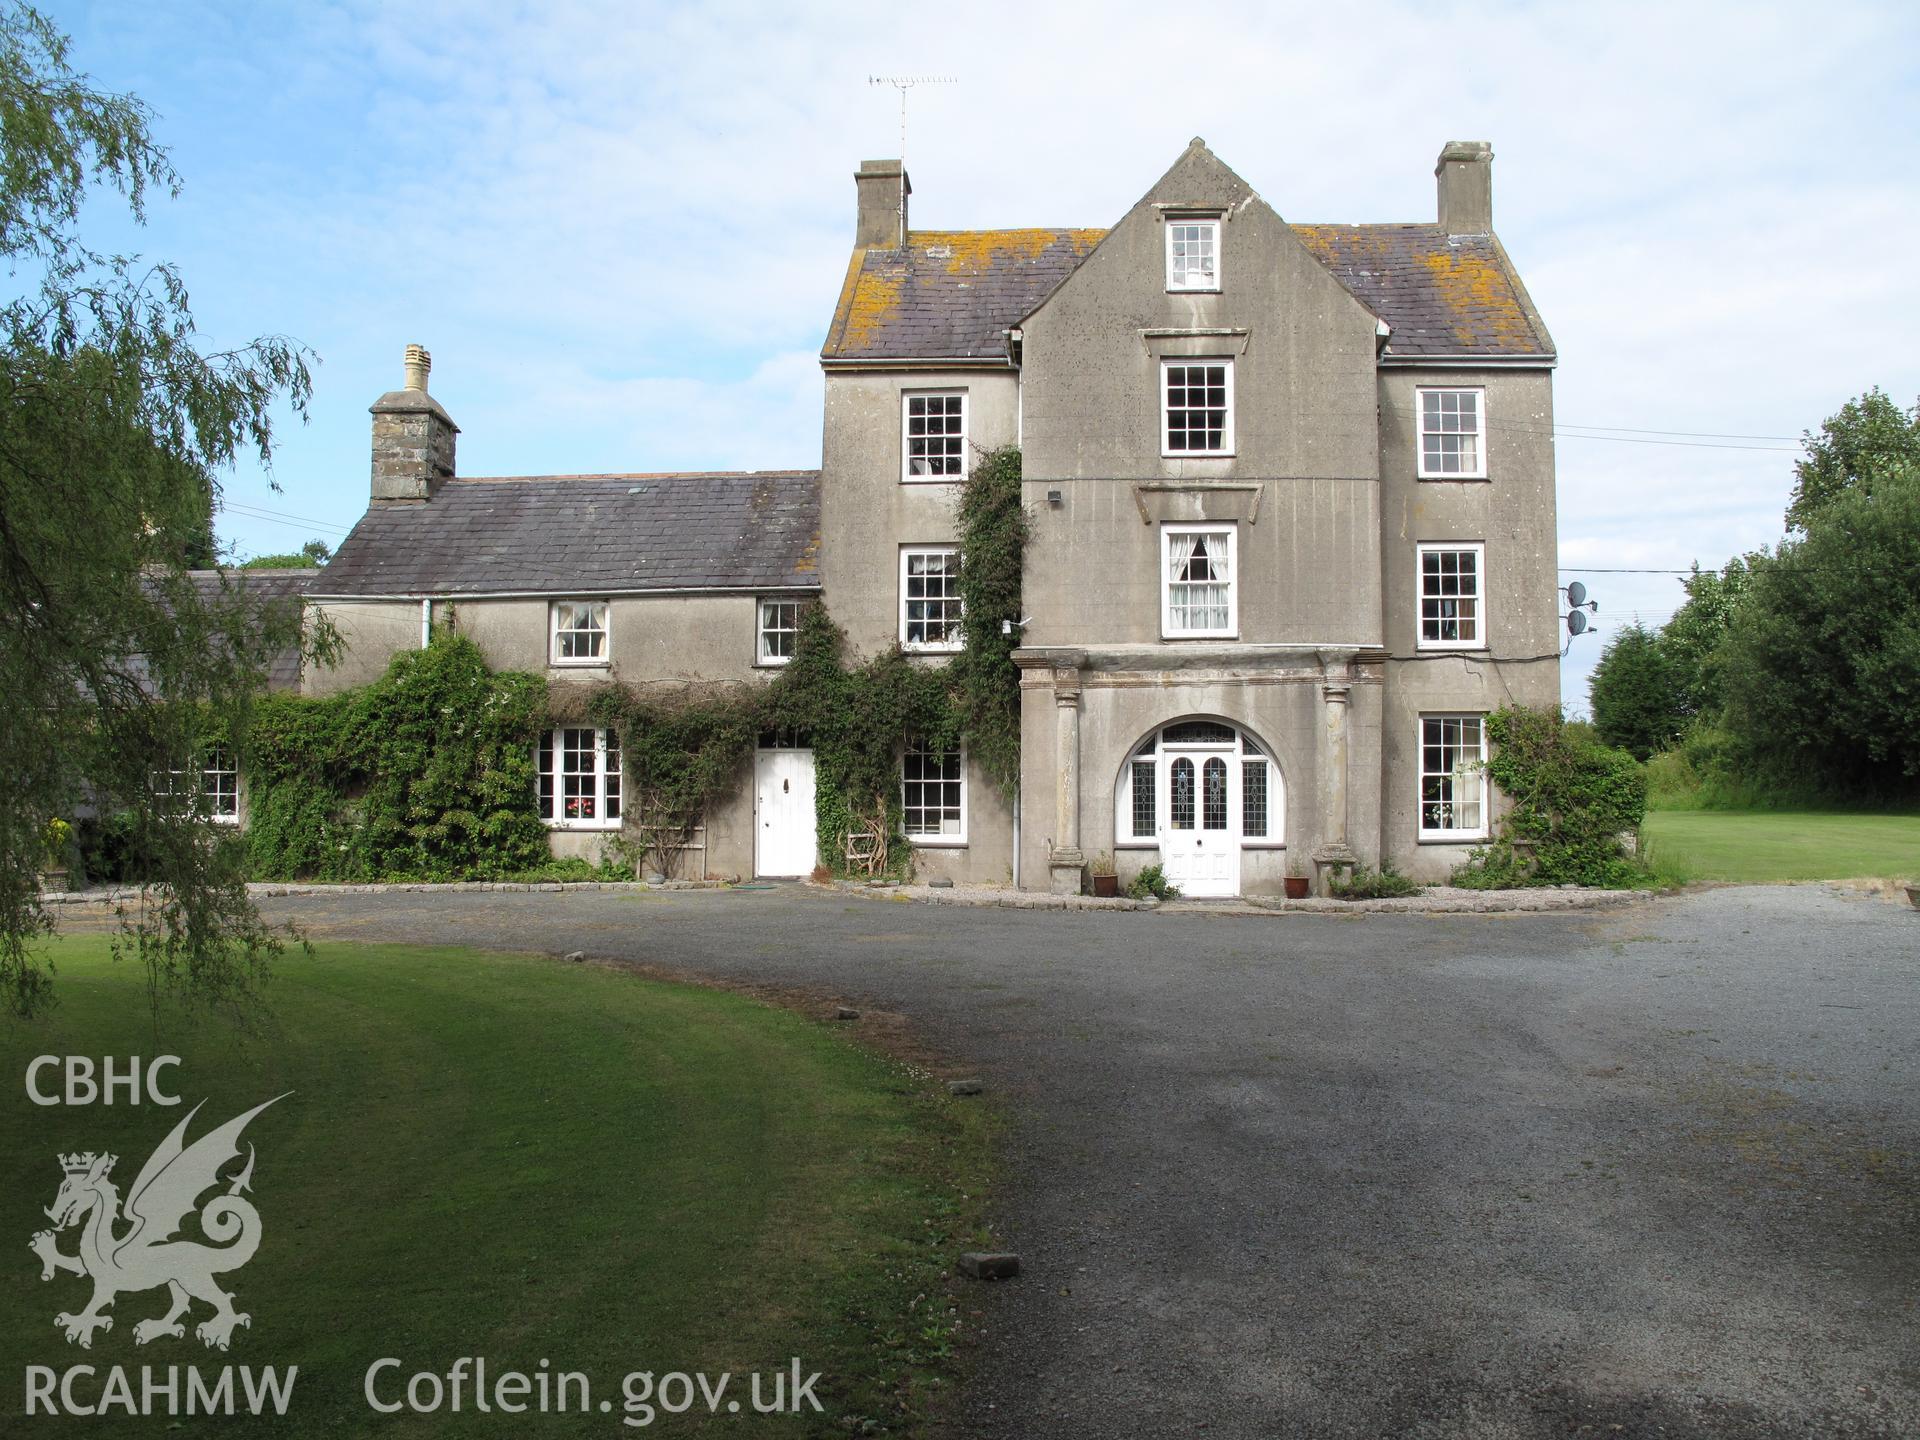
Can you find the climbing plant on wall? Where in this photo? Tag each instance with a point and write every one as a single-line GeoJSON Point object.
{"type": "Point", "coordinates": [994, 531]}
{"type": "Point", "coordinates": [426, 774]}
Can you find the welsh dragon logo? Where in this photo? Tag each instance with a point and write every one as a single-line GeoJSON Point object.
{"type": "Point", "coordinates": [144, 1254]}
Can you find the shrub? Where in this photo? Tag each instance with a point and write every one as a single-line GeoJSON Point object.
{"type": "Point", "coordinates": [1572, 801]}
{"type": "Point", "coordinates": [1386, 883]}
{"type": "Point", "coordinates": [1152, 883]}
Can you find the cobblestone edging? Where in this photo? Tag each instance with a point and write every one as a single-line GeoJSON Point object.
{"type": "Point", "coordinates": [1439, 900]}
{"type": "Point", "coordinates": [271, 890]}
{"type": "Point", "coordinates": [983, 896]}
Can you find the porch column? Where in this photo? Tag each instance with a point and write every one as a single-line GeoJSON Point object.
{"type": "Point", "coordinates": [1336, 684]}
{"type": "Point", "coordinates": [1066, 863]}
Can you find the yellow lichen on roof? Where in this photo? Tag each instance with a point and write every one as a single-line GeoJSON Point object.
{"type": "Point", "coordinates": [973, 252]}
{"type": "Point", "coordinates": [1476, 290]}
{"type": "Point", "coordinates": [870, 304]}
{"type": "Point", "coordinates": [1320, 240]}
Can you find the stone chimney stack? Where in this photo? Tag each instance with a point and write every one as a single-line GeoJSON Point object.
{"type": "Point", "coordinates": [412, 438]}
{"type": "Point", "coordinates": [884, 188]}
{"type": "Point", "coordinates": [1465, 173]}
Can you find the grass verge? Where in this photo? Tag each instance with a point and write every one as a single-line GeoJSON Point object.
{"type": "Point", "coordinates": [1763, 846]}
{"type": "Point", "coordinates": [533, 1162]}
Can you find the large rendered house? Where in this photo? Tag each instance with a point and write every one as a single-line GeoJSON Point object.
{"type": "Point", "coordinates": [1292, 493]}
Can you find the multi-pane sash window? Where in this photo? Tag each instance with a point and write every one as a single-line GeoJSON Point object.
{"type": "Point", "coordinates": [779, 628]}
{"type": "Point", "coordinates": [933, 794]}
{"type": "Point", "coordinates": [212, 790]}
{"type": "Point", "coordinates": [220, 785]}
{"type": "Point", "coordinates": [1453, 779]}
{"type": "Point", "coordinates": [1196, 407]}
{"type": "Point", "coordinates": [580, 778]}
{"type": "Point", "coordinates": [1452, 605]}
{"type": "Point", "coordinates": [930, 598]}
{"type": "Point", "coordinates": [580, 632]}
{"type": "Point", "coordinates": [1198, 582]}
{"type": "Point", "coordinates": [1193, 255]}
{"type": "Point", "coordinates": [1452, 434]}
{"type": "Point", "coordinates": [936, 436]}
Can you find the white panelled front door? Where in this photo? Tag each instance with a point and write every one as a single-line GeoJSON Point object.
{"type": "Point", "coordinates": [783, 813]}
{"type": "Point", "coordinates": [1200, 822]}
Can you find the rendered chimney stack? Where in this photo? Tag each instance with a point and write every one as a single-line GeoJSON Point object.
{"type": "Point", "coordinates": [1465, 175]}
{"type": "Point", "coordinates": [884, 188]}
{"type": "Point", "coordinates": [413, 438]}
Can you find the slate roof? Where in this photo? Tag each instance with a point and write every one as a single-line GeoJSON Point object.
{"type": "Point", "coordinates": [954, 294]}
{"type": "Point", "coordinates": [950, 294]}
{"type": "Point", "coordinates": [1440, 294]}
{"type": "Point", "coordinates": [268, 586]}
{"type": "Point", "coordinates": [588, 535]}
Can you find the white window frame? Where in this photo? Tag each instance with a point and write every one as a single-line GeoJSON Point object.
{"type": "Point", "coordinates": [604, 743]}
{"type": "Point", "coordinates": [907, 397]}
{"type": "Point", "coordinates": [220, 760]}
{"type": "Point", "coordinates": [761, 630]}
{"type": "Point", "coordinates": [930, 841]}
{"type": "Point", "coordinates": [1420, 393]}
{"type": "Point", "coordinates": [1245, 751]}
{"type": "Point", "coordinates": [1476, 775]}
{"type": "Point", "coordinates": [192, 787]}
{"type": "Point", "coordinates": [555, 630]}
{"type": "Point", "coordinates": [1478, 550]}
{"type": "Point", "coordinates": [1212, 222]}
{"type": "Point", "coordinates": [1232, 629]}
{"type": "Point", "coordinates": [1167, 452]}
{"type": "Point", "coordinates": [921, 647]}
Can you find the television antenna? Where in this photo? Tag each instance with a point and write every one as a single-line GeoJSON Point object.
{"type": "Point", "coordinates": [904, 83]}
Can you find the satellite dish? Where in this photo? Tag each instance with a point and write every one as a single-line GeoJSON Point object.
{"type": "Point", "coordinates": [1576, 622]}
{"type": "Point", "coordinates": [1576, 595]}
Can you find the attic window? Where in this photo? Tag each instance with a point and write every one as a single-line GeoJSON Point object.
{"type": "Point", "coordinates": [579, 632]}
{"type": "Point", "coordinates": [1193, 254]}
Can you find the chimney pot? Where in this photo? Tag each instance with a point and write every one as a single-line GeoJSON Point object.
{"type": "Point", "coordinates": [1465, 175]}
{"type": "Point", "coordinates": [884, 188]}
{"type": "Point", "coordinates": [419, 362]}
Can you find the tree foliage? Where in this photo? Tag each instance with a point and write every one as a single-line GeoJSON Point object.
{"type": "Point", "coordinates": [1822, 668]}
{"type": "Point", "coordinates": [994, 530]}
{"type": "Point", "coordinates": [1636, 700]}
{"type": "Point", "coordinates": [309, 556]}
{"type": "Point", "coordinates": [115, 426]}
{"type": "Point", "coordinates": [1869, 441]}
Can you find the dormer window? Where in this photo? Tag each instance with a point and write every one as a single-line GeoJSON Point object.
{"type": "Point", "coordinates": [1193, 254]}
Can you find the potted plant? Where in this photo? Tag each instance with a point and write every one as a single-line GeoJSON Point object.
{"type": "Point", "coordinates": [1106, 880]}
{"type": "Point", "coordinates": [1298, 887]}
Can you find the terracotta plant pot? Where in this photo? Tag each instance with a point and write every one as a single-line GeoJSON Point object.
{"type": "Point", "coordinates": [1297, 886]}
{"type": "Point", "coordinates": [1106, 886]}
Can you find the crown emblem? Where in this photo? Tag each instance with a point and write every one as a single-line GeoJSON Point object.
{"type": "Point", "coordinates": [81, 1163]}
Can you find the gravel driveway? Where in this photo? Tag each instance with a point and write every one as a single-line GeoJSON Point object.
{"type": "Point", "coordinates": [1642, 1172]}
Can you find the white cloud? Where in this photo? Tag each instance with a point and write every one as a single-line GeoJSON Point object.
{"type": "Point", "coordinates": [621, 228]}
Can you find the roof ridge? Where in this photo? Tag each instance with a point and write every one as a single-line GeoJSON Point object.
{"type": "Point", "coordinates": [796, 472]}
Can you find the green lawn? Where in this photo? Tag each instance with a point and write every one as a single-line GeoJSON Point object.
{"type": "Point", "coordinates": [1766, 845]}
{"type": "Point", "coordinates": [522, 1160]}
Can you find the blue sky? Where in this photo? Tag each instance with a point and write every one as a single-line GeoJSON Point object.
{"type": "Point", "coordinates": [620, 229]}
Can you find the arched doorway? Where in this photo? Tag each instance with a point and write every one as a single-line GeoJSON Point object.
{"type": "Point", "coordinates": [1199, 791]}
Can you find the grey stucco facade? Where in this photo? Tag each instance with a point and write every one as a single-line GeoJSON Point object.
{"type": "Point", "coordinates": [1292, 501]}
